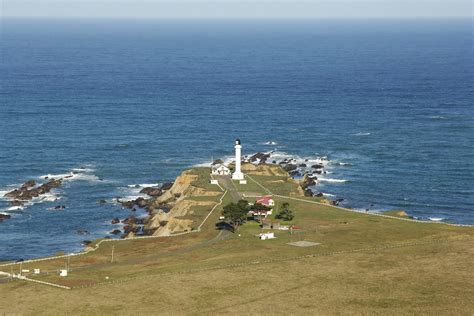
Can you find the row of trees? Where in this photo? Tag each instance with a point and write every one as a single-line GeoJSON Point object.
{"type": "Point", "coordinates": [236, 213]}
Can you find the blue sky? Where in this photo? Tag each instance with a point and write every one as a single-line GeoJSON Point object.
{"type": "Point", "coordinates": [237, 8]}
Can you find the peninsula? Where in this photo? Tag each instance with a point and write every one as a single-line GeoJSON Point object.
{"type": "Point", "coordinates": [332, 260]}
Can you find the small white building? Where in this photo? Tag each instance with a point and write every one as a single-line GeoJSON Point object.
{"type": "Point", "coordinates": [220, 170]}
{"type": "Point", "coordinates": [265, 236]}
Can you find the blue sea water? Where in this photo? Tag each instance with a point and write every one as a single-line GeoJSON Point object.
{"type": "Point", "coordinates": [139, 101]}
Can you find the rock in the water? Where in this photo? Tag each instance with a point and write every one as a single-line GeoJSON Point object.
{"type": "Point", "coordinates": [4, 217]}
{"type": "Point", "coordinates": [82, 232]}
{"type": "Point", "coordinates": [302, 165]}
{"type": "Point", "coordinates": [319, 194]}
{"type": "Point", "coordinates": [141, 202]}
{"type": "Point", "coordinates": [129, 220]}
{"type": "Point", "coordinates": [59, 207]}
{"type": "Point", "coordinates": [289, 167]}
{"type": "Point", "coordinates": [308, 192]}
{"type": "Point", "coordinates": [116, 220]}
{"type": "Point", "coordinates": [102, 202]}
{"type": "Point", "coordinates": [317, 166]}
{"type": "Point", "coordinates": [116, 232]}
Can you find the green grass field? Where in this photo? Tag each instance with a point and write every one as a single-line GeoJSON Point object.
{"type": "Point", "coordinates": [364, 264]}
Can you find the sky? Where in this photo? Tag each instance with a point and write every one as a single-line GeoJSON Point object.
{"type": "Point", "coordinates": [237, 8]}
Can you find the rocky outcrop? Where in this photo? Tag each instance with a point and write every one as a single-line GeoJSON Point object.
{"type": "Point", "coordinates": [29, 190]}
{"type": "Point", "coordinates": [4, 217]}
{"type": "Point", "coordinates": [307, 181]}
{"type": "Point", "coordinates": [114, 221]}
{"type": "Point", "coordinates": [154, 192]}
{"type": "Point", "coordinates": [259, 157]}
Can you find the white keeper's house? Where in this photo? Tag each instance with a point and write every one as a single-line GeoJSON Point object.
{"type": "Point", "coordinates": [220, 170]}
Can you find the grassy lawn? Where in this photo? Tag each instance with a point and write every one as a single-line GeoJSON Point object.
{"type": "Point", "coordinates": [425, 269]}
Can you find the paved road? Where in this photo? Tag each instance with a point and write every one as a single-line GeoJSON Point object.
{"type": "Point", "coordinates": [226, 182]}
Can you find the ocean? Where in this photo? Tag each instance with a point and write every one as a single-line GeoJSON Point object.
{"type": "Point", "coordinates": [127, 102]}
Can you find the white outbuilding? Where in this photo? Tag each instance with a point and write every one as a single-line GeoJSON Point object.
{"type": "Point", "coordinates": [220, 170]}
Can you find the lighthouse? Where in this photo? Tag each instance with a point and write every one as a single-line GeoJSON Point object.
{"type": "Point", "coordinates": [238, 175]}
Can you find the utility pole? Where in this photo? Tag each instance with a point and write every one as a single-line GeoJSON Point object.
{"type": "Point", "coordinates": [112, 259]}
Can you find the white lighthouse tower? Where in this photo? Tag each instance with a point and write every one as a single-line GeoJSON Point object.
{"type": "Point", "coordinates": [238, 175]}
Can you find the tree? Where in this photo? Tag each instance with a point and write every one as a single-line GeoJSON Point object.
{"type": "Point", "coordinates": [285, 213]}
{"type": "Point", "coordinates": [236, 213]}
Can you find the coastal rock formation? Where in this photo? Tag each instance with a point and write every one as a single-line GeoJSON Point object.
{"type": "Point", "coordinates": [115, 221]}
{"type": "Point", "coordinates": [4, 217]}
{"type": "Point", "coordinates": [29, 190]}
{"type": "Point", "coordinates": [259, 157]}
{"type": "Point", "coordinates": [307, 181]}
{"type": "Point", "coordinates": [154, 192]}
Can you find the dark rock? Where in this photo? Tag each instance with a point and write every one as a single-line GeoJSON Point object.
{"type": "Point", "coordinates": [129, 220]}
{"type": "Point", "coordinates": [307, 182]}
{"type": "Point", "coordinates": [302, 165]}
{"type": "Point", "coordinates": [59, 207]}
{"type": "Point", "coordinates": [274, 162]}
{"type": "Point", "coordinates": [82, 232]}
{"type": "Point", "coordinates": [102, 202]}
{"type": "Point", "coordinates": [166, 186]}
{"type": "Point", "coordinates": [217, 162]}
{"type": "Point", "coordinates": [294, 173]}
{"type": "Point", "coordinates": [116, 232]}
{"type": "Point", "coordinates": [130, 228]}
{"type": "Point", "coordinates": [16, 203]}
{"type": "Point", "coordinates": [261, 157]}
{"type": "Point", "coordinates": [127, 204]}
{"type": "Point", "coordinates": [4, 217]}
{"type": "Point", "coordinates": [308, 192]}
{"type": "Point", "coordinates": [155, 192]}
{"type": "Point", "coordinates": [86, 242]}
{"type": "Point", "coordinates": [289, 167]}
{"type": "Point", "coordinates": [319, 194]}
{"type": "Point", "coordinates": [141, 202]}
{"type": "Point", "coordinates": [29, 184]}
{"type": "Point", "coordinates": [116, 220]}
{"type": "Point", "coordinates": [148, 231]}
{"type": "Point", "coordinates": [317, 166]}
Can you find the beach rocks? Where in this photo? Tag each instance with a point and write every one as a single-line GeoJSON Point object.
{"type": "Point", "coordinates": [59, 207]}
{"type": "Point", "coordinates": [317, 166]}
{"type": "Point", "coordinates": [140, 202]}
{"type": "Point", "coordinates": [116, 232]}
{"type": "Point", "coordinates": [308, 192]}
{"type": "Point", "coordinates": [82, 232]}
{"type": "Point", "coordinates": [102, 202]}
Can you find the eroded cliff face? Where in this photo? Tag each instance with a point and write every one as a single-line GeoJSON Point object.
{"type": "Point", "coordinates": [179, 197]}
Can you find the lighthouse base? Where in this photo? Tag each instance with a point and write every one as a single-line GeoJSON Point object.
{"type": "Point", "coordinates": [237, 176]}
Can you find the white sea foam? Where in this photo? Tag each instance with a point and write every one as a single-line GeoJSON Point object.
{"type": "Point", "coordinates": [436, 219]}
{"type": "Point", "coordinates": [328, 194]}
{"type": "Point", "coordinates": [144, 185]}
{"type": "Point", "coordinates": [15, 208]}
{"type": "Point", "coordinates": [361, 134]}
{"type": "Point", "coordinates": [332, 180]}
{"type": "Point", "coordinates": [437, 117]}
{"type": "Point", "coordinates": [270, 143]}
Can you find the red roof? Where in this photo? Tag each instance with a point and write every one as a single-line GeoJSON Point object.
{"type": "Point", "coordinates": [265, 200]}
